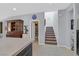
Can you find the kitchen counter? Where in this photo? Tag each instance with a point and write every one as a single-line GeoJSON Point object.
{"type": "Point", "coordinates": [13, 46]}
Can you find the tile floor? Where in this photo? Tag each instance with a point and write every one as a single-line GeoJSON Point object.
{"type": "Point", "coordinates": [50, 50]}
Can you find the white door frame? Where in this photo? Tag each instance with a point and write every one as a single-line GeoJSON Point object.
{"type": "Point", "coordinates": [33, 30]}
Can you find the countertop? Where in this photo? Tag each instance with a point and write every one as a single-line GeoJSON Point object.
{"type": "Point", "coordinates": [12, 46]}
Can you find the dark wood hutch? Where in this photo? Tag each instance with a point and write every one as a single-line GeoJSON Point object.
{"type": "Point", "coordinates": [15, 28]}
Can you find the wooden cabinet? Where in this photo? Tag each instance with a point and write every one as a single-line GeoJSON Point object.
{"type": "Point", "coordinates": [15, 28]}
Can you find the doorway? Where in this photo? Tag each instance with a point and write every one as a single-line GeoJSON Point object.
{"type": "Point", "coordinates": [35, 31]}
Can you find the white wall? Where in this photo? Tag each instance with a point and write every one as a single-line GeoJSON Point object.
{"type": "Point", "coordinates": [27, 21]}
{"type": "Point", "coordinates": [61, 27]}
{"type": "Point", "coordinates": [77, 15]}
{"type": "Point", "coordinates": [69, 32]}
{"type": "Point", "coordinates": [52, 20]}
{"type": "Point", "coordinates": [65, 33]}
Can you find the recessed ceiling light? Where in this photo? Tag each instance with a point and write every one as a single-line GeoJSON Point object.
{"type": "Point", "coordinates": [14, 9]}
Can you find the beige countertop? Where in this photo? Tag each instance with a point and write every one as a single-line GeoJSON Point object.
{"type": "Point", "coordinates": [12, 46]}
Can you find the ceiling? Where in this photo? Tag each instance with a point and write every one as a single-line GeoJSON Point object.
{"type": "Point", "coordinates": [13, 9]}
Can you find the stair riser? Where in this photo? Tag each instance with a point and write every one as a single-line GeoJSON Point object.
{"type": "Point", "coordinates": [50, 37]}
{"type": "Point", "coordinates": [52, 43]}
{"type": "Point", "coordinates": [50, 34]}
{"type": "Point", "coordinates": [49, 31]}
{"type": "Point", "coordinates": [50, 40]}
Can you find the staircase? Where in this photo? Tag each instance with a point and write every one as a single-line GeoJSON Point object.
{"type": "Point", "coordinates": [50, 36]}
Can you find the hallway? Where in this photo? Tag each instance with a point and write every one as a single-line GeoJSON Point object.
{"type": "Point", "coordinates": [50, 50]}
